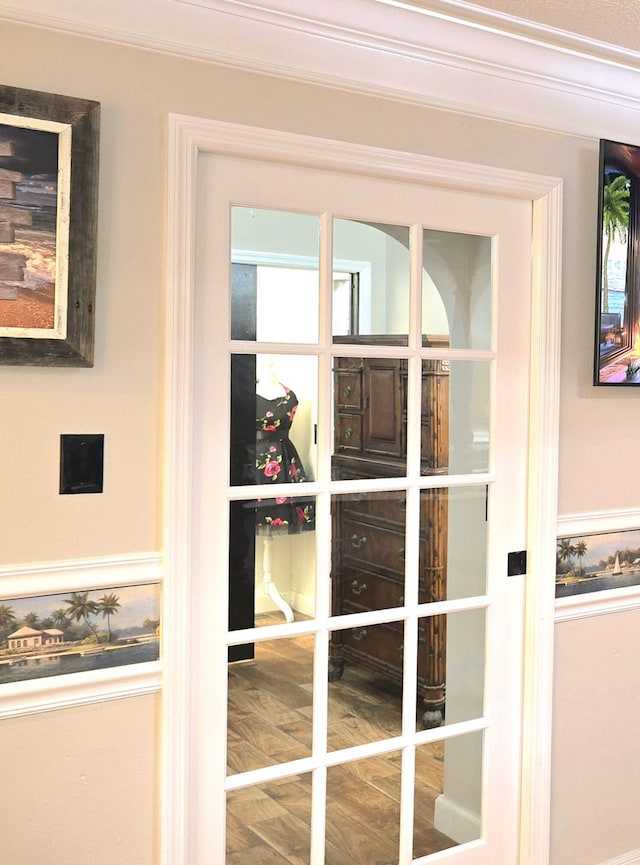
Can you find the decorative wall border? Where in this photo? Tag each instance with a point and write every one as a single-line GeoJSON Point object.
{"type": "Point", "coordinates": [57, 692]}
{"type": "Point", "coordinates": [604, 602]}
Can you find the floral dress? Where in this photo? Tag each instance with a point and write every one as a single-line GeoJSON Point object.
{"type": "Point", "coordinates": [277, 463]}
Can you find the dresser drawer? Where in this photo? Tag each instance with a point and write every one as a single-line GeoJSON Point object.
{"type": "Point", "coordinates": [340, 363]}
{"type": "Point", "coordinates": [372, 545]}
{"type": "Point", "coordinates": [348, 433]}
{"type": "Point", "coordinates": [349, 390]}
{"type": "Point", "coordinates": [363, 590]}
{"type": "Point", "coordinates": [388, 507]}
{"type": "Point", "coordinates": [383, 643]}
{"type": "Point", "coordinates": [380, 648]}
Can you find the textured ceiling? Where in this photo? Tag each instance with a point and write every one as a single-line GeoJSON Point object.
{"type": "Point", "coordinates": [616, 22]}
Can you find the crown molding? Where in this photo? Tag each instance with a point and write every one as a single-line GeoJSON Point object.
{"type": "Point", "coordinates": [453, 55]}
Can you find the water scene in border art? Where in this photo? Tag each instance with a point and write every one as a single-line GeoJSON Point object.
{"type": "Point", "coordinates": [72, 632]}
{"type": "Point", "coordinates": [592, 563]}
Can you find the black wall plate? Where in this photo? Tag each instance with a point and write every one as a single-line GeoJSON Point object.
{"type": "Point", "coordinates": [81, 464]}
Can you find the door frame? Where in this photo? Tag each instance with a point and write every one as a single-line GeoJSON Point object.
{"type": "Point", "coordinates": [190, 137]}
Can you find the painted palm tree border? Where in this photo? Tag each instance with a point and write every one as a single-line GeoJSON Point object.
{"type": "Point", "coordinates": [597, 562]}
{"type": "Point", "coordinates": [43, 636]}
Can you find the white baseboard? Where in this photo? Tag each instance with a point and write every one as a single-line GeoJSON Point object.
{"type": "Point", "coordinates": [456, 822]}
{"type": "Point", "coordinates": [304, 604]}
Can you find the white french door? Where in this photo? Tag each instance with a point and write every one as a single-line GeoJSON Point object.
{"type": "Point", "coordinates": [343, 640]}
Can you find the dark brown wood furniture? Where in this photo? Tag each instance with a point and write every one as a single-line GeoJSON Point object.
{"type": "Point", "coordinates": [370, 402]}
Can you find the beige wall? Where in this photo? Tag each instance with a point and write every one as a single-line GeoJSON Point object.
{"type": "Point", "coordinates": [80, 786]}
{"type": "Point", "coordinates": [97, 764]}
{"type": "Point", "coordinates": [596, 747]}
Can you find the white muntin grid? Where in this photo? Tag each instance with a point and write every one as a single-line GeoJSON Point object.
{"type": "Point", "coordinates": [323, 489]}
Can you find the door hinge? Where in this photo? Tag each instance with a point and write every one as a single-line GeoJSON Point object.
{"type": "Point", "coordinates": [517, 563]}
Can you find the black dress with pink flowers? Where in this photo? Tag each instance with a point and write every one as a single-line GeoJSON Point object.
{"type": "Point", "coordinates": [278, 463]}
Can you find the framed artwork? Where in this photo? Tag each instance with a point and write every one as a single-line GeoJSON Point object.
{"type": "Point", "coordinates": [617, 335]}
{"type": "Point", "coordinates": [73, 632]}
{"type": "Point", "coordinates": [48, 217]}
{"type": "Point", "coordinates": [592, 563]}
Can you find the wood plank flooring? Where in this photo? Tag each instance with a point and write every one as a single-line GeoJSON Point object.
{"type": "Point", "coordinates": [270, 721]}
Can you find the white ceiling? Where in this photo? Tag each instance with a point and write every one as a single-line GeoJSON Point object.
{"type": "Point", "coordinates": [616, 22]}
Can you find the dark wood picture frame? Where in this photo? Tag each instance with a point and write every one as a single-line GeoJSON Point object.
{"type": "Point", "coordinates": [73, 124]}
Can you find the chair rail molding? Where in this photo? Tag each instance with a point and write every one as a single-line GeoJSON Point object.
{"type": "Point", "coordinates": [510, 69]}
{"type": "Point", "coordinates": [591, 522]}
{"type": "Point", "coordinates": [69, 575]}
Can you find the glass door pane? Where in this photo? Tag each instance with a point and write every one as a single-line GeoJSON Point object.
{"type": "Point", "coordinates": [380, 257]}
{"type": "Point", "coordinates": [336, 679]}
{"type": "Point", "coordinates": [456, 290]}
{"type": "Point", "coordinates": [274, 275]}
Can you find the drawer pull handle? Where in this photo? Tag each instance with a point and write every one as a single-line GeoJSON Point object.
{"type": "Point", "coordinates": [348, 432]}
{"type": "Point", "coordinates": [360, 635]}
{"type": "Point", "coordinates": [358, 589]}
{"type": "Point", "coordinates": [347, 390]}
{"type": "Point", "coordinates": [357, 542]}
{"type": "Point", "coordinates": [401, 601]}
{"type": "Point", "coordinates": [403, 504]}
{"type": "Point", "coordinates": [401, 554]}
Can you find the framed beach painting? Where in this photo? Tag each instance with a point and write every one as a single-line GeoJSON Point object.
{"type": "Point", "coordinates": [48, 219]}
{"type": "Point", "coordinates": [617, 333]}
{"type": "Point", "coordinates": [73, 632]}
{"type": "Point", "coordinates": [592, 563]}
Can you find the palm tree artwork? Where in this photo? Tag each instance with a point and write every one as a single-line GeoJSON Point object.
{"type": "Point", "coordinates": [615, 223]}
{"type": "Point", "coordinates": [566, 550]}
{"type": "Point", "coordinates": [80, 607]}
{"type": "Point", "coordinates": [82, 635]}
{"type": "Point", "coordinates": [7, 616]}
{"type": "Point", "coordinates": [108, 605]}
{"type": "Point", "coordinates": [60, 618]}
{"type": "Point", "coordinates": [581, 551]}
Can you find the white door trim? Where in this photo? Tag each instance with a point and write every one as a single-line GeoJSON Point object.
{"type": "Point", "coordinates": [188, 138]}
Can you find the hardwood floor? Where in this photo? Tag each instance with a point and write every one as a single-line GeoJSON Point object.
{"type": "Point", "coordinates": [270, 721]}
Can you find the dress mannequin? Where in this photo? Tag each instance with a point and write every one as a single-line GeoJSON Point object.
{"type": "Point", "coordinates": [277, 463]}
{"type": "Point", "coordinates": [268, 383]}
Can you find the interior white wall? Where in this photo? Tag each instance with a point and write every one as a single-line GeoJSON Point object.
{"type": "Point", "coordinates": [122, 397]}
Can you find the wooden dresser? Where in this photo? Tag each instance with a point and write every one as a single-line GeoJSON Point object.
{"type": "Point", "coordinates": [370, 398]}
